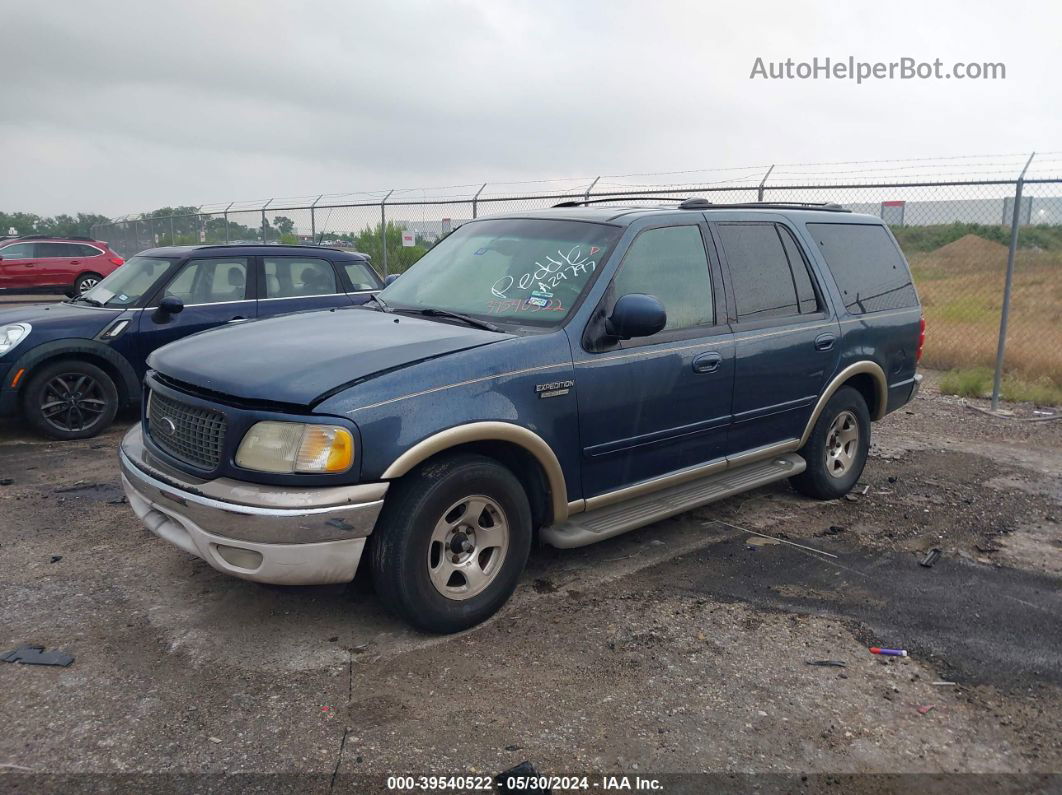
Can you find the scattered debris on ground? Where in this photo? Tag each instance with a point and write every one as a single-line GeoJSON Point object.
{"type": "Point", "coordinates": [36, 655]}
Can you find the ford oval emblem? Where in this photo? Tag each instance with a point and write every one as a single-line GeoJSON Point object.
{"type": "Point", "coordinates": [167, 426]}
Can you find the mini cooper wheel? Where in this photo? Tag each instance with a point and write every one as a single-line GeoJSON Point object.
{"type": "Point", "coordinates": [836, 451]}
{"type": "Point", "coordinates": [451, 542]}
{"type": "Point", "coordinates": [70, 400]}
{"type": "Point", "coordinates": [86, 281]}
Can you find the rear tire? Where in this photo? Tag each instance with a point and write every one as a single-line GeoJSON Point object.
{"type": "Point", "coordinates": [86, 281]}
{"type": "Point", "coordinates": [451, 543]}
{"type": "Point", "coordinates": [70, 400]}
{"type": "Point", "coordinates": [836, 451]}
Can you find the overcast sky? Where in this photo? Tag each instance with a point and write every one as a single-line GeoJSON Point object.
{"type": "Point", "coordinates": [118, 107]}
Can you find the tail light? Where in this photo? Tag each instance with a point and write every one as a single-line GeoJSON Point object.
{"type": "Point", "coordinates": [120, 261]}
{"type": "Point", "coordinates": [921, 338]}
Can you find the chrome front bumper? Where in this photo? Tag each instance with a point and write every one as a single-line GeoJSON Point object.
{"type": "Point", "coordinates": [271, 534]}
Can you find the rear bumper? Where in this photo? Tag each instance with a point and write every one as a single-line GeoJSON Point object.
{"type": "Point", "coordinates": [266, 534]}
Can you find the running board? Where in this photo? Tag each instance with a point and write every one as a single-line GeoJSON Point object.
{"type": "Point", "coordinates": [612, 520]}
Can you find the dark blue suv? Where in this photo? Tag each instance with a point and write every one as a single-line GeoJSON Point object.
{"type": "Point", "coordinates": [69, 367]}
{"type": "Point", "coordinates": [576, 372]}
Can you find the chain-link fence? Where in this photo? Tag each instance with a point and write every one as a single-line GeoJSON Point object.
{"type": "Point", "coordinates": [955, 218]}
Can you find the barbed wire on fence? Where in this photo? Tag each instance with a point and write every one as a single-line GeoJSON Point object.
{"type": "Point", "coordinates": [963, 223]}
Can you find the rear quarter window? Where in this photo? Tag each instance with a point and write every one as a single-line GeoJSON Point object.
{"type": "Point", "coordinates": [868, 267]}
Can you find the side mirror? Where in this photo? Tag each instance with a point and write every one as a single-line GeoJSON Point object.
{"type": "Point", "coordinates": [391, 278]}
{"type": "Point", "coordinates": [168, 307]}
{"type": "Point", "coordinates": [636, 315]}
{"type": "Point", "coordinates": [70, 292]}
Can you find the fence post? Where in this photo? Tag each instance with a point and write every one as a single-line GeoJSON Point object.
{"type": "Point", "coordinates": [586, 196]}
{"type": "Point", "coordinates": [265, 227]}
{"type": "Point", "coordinates": [763, 182]}
{"type": "Point", "coordinates": [475, 199]}
{"type": "Point", "coordinates": [383, 229]}
{"type": "Point", "coordinates": [173, 236]}
{"type": "Point", "coordinates": [1004, 314]}
{"type": "Point", "coordinates": [226, 216]}
{"type": "Point", "coordinates": [313, 220]}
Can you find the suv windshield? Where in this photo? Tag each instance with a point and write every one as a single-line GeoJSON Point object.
{"type": "Point", "coordinates": [127, 285]}
{"type": "Point", "coordinates": [526, 271]}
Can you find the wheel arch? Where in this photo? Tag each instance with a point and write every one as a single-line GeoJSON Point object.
{"type": "Point", "coordinates": [523, 451]}
{"type": "Point", "coordinates": [867, 378]}
{"type": "Point", "coordinates": [112, 363]}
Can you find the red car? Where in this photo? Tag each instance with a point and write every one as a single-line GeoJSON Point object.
{"type": "Point", "coordinates": [40, 262]}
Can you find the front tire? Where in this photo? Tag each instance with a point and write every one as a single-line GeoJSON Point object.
{"type": "Point", "coordinates": [836, 451]}
{"type": "Point", "coordinates": [70, 400]}
{"type": "Point", "coordinates": [451, 543]}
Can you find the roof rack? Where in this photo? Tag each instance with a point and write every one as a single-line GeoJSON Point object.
{"type": "Point", "coordinates": [697, 203]}
{"type": "Point", "coordinates": [583, 202]}
{"type": "Point", "coordinates": [55, 237]}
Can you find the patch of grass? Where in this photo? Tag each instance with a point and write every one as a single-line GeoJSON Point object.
{"type": "Point", "coordinates": [967, 382]}
{"type": "Point", "coordinates": [1042, 391]}
{"type": "Point", "coordinates": [969, 309]}
{"type": "Point", "coordinates": [933, 236]}
{"type": "Point", "coordinates": [976, 382]}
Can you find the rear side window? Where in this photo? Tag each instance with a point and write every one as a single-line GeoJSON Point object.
{"type": "Point", "coordinates": [768, 270]}
{"type": "Point", "coordinates": [83, 250]}
{"type": "Point", "coordinates": [869, 269]}
{"type": "Point", "coordinates": [56, 250]}
{"type": "Point", "coordinates": [292, 277]}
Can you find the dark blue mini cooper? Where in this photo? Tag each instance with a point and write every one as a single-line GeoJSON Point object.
{"type": "Point", "coordinates": [69, 367]}
{"type": "Point", "coordinates": [576, 373]}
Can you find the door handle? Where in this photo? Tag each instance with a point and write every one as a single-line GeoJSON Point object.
{"type": "Point", "coordinates": [824, 342]}
{"type": "Point", "coordinates": [707, 362]}
{"type": "Point", "coordinates": [75, 262]}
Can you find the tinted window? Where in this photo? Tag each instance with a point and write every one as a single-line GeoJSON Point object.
{"type": "Point", "coordinates": [868, 267]}
{"type": "Point", "coordinates": [57, 250]}
{"type": "Point", "coordinates": [670, 263]}
{"type": "Point", "coordinates": [361, 276]}
{"type": "Point", "coordinates": [210, 281]}
{"type": "Point", "coordinates": [289, 277]}
{"type": "Point", "coordinates": [759, 268]}
{"type": "Point", "coordinates": [806, 296]}
{"type": "Point", "coordinates": [17, 251]}
{"type": "Point", "coordinates": [83, 250]}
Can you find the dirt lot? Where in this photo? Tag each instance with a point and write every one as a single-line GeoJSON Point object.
{"type": "Point", "coordinates": [680, 648]}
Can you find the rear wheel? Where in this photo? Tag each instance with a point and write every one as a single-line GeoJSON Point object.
{"type": "Point", "coordinates": [836, 451]}
{"type": "Point", "coordinates": [86, 281]}
{"type": "Point", "coordinates": [70, 400]}
{"type": "Point", "coordinates": [451, 543]}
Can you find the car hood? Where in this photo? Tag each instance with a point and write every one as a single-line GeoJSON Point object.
{"type": "Point", "coordinates": [298, 359]}
{"type": "Point", "coordinates": [76, 320]}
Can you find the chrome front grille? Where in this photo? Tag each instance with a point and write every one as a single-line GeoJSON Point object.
{"type": "Point", "coordinates": [192, 434]}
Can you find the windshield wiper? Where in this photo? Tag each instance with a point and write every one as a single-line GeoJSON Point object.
{"type": "Point", "coordinates": [472, 321]}
{"type": "Point", "coordinates": [383, 304]}
{"type": "Point", "coordinates": [86, 299]}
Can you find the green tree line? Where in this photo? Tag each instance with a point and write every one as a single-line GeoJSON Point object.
{"type": "Point", "coordinates": [62, 225]}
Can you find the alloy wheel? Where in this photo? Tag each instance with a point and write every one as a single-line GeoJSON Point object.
{"type": "Point", "coordinates": [468, 547]}
{"type": "Point", "coordinates": [72, 402]}
{"type": "Point", "coordinates": [842, 444]}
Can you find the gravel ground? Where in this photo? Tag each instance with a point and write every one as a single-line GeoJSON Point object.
{"type": "Point", "coordinates": [680, 648]}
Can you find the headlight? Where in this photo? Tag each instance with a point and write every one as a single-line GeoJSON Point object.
{"type": "Point", "coordinates": [296, 447]}
{"type": "Point", "coordinates": [12, 334]}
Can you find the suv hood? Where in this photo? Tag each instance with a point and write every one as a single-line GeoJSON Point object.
{"type": "Point", "coordinates": [297, 359]}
